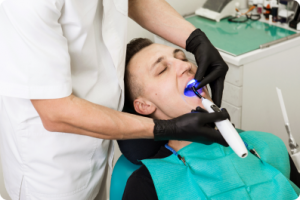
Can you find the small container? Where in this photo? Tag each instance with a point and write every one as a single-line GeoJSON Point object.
{"type": "Point", "coordinates": [268, 11]}
{"type": "Point", "coordinates": [260, 6]}
{"type": "Point", "coordinates": [250, 3]}
{"type": "Point", "coordinates": [274, 13]}
{"type": "Point", "coordinates": [274, 10]}
{"type": "Point", "coordinates": [259, 9]}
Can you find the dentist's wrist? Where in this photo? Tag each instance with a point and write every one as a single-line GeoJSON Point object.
{"type": "Point", "coordinates": [164, 129]}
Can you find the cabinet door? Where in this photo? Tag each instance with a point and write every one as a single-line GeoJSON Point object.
{"type": "Point", "coordinates": [233, 93]}
{"type": "Point", "coordinates": [234, 112]}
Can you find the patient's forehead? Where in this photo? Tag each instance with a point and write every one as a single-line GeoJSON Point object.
{"type": "Point", "coordinates": [156, 48]}
{"type": "Point", "coordinates": [148, 55]}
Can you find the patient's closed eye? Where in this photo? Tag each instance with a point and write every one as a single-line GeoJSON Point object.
{"type": "Point", "coordinates": [163, 70]}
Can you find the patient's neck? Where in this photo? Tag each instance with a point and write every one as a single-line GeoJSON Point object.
{"type": "Point", "coordinates": [174, 144]}
{"type": "Point", "coordinates": [177, 145]}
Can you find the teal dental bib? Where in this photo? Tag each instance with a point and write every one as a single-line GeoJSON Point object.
{"type": "Point", "coordinates": [213, 171]}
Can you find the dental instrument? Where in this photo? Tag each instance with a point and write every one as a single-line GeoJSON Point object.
{"type": "Point", "coordinates": [295, 153]}
{"type": "Point", "coordinates": [217, 10]}
{"type": "Point", "coordinates": [225, 127]}
{"type": "Point", "coordinates": [244, 17]}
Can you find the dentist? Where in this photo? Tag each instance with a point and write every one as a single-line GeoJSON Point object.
{"type": "Point", "coordinates": [61, 91]}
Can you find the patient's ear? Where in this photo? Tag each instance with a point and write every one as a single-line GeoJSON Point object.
{"type": "Point", "coordinates": [143, 106]}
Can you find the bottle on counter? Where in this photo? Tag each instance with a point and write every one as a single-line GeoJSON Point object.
{"type": "Point", "coordinates": [274, 10]}
{"type": "Point", "coordinates": [250, 3]}
{"type": "Point", "coordinates": [267, 8]}
{"type": "Point", "coordinates": [254, 11]}
{"type": "Point", "coordinates": [260, 6]}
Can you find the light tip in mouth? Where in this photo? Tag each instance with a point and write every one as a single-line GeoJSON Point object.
{"type": "Point", "coordinates": [188, 89]}
{"type": "Point", "coordinates": [190, 83]}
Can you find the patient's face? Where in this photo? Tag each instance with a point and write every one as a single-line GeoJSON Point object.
{"type": "Point", "coordinates": [163, 73]}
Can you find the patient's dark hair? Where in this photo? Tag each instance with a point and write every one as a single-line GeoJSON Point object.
{"type": "Point", "coordinates": [132, 87]}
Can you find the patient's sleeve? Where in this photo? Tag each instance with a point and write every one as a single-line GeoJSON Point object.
{"type": "Point", "coordinates": [294, 176]}
{"type": "Point", "coordinates": [140, 186]}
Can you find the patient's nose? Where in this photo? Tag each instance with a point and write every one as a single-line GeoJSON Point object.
{"type": "Point", "coordinates": [181, 67]}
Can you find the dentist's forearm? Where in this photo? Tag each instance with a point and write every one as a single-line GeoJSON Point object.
{"type": "Point", "coordinates": [161, 19]}
{"type": "Point", "coordinates": [74, 115]}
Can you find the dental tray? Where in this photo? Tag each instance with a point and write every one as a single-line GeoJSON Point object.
{"type": "Point", "coordinates": [239, 38]}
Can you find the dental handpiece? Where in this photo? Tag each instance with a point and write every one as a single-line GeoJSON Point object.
{"type": "Point", "coordinates": [225, 127]}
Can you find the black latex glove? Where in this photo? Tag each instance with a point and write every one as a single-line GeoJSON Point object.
{"type": "Point", "coordinates": [211, 67]}
{"type": "Point", "coordinates": [191, 127]}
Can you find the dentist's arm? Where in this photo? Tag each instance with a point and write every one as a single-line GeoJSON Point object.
{"type": "Point", "coordinates": [75, 115]}
{"type": "Point", "coordinates": [160, 18]}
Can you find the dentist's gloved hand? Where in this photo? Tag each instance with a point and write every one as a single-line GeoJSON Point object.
{"type": "Point", "coordinates": [211, 65]}
{"type": "Point", "coordinates": [192, 127]}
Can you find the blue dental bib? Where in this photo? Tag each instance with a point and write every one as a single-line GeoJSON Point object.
{"type": "Point", "coordinates": [213, 171]}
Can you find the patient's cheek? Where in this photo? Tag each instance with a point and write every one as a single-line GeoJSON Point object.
{"type": "Point", "coordinates": [194, 102]}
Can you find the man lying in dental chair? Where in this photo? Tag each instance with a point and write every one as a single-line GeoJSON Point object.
{"type": "Point", "coordinates": [156, 77]}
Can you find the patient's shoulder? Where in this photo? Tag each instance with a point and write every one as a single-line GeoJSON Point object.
{"type": "Point", "coordinates": [140, 184]}
{"type": "Point", "coordinates": [262, 139]}
{"type": "Point", "coordinates": [143, 173]}
{"type": "Point", "coordinates": [270, 148]}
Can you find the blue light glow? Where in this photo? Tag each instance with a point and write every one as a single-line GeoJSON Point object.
{"type": "Point", "coordinates": [189, 91]}
{"type": "Point", "coordinates": [191, 81]}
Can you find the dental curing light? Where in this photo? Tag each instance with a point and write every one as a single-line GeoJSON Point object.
{"type": "Point", "coordinates": [225, 127]}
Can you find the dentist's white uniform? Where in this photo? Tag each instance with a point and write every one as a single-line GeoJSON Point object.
{"type": "Point", "coordinates": [49, 49]}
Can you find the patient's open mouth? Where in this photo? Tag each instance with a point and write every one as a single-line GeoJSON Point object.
{"type": "Point", "coordinates": [188, 91]}
{"type": "Point", "coordinates": [191, 83]}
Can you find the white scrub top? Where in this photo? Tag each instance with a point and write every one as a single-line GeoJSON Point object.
{"type": "Point", "coordinates": [50, 49]}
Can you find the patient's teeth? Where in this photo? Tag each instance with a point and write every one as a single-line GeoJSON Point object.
{"type": "Point", "coordinates": [190, 82]}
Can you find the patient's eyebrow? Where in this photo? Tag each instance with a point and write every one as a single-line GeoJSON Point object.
{"type": "Point", "coordinates": [176, 51]}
